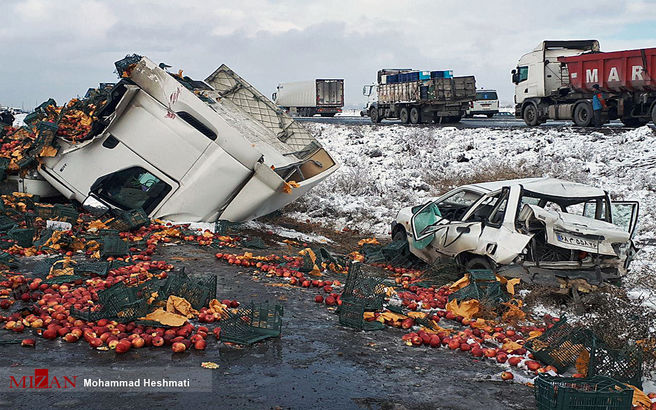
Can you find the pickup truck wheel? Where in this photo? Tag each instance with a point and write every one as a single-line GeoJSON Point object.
{"type": "Point", "coordinates": [530, 115]}
{"type": "Point", "coordinates": [479, 263]}
{"type": "Point", "coordinates": [415, 115]}
{"type": "Point", "coordinates": [583, 115]}
{"type": "Point", "coordinates": [404, 115]}
{"type": "Point", "coordinates": [373, 114]}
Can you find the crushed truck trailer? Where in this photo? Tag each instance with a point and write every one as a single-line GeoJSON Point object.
{"type": "Point", "coordinates": [186, 150]}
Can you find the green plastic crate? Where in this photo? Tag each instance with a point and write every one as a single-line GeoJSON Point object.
{"type": "Point", "coordinates": [562, 345]}
{"type": "Point", "coordinates": [351, 314]}
{"type": "Point", "coordinates": [65, 213]}
{"type": "Point", "coordinates": [624, 365]}
{"type": "Point", "coordinates": [489, 293]}
{"type": "Point", "coordinates": [6, 223]}
{"type": "Point", "coordinates": [113, 245]}
{"type": "Point", "coordinates": [567, 393]}
{"type": "Point", "coordinates": [369, 290]}
{"type": "Point", "coordinates": [198, 290]}
{"type": "Point", "coordinates": [129, 220]}
{"type": "Point", "coordinates": [23, 236]}
{"type": "Point", "coordinates": [252, 323]}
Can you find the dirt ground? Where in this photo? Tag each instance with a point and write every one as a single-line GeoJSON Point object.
{"type": "Point", "coordinates": [316, 363]}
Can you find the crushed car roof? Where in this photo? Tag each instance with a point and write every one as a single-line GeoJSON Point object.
{"type": "Point", "coordinates": [545, 186]}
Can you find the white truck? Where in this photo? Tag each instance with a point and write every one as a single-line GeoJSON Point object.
{"type": "Point", "coordinates": [557, 81]}
{"type": "Point", "coordinates": [307, 98]}
{"type": "Point", "coordinates": [486, 103]}
{"type": "Point", "coordinates": [189, 151]}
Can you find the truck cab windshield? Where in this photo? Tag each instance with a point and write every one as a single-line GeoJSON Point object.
{"type": "Point", "coordinates": [131, 188]}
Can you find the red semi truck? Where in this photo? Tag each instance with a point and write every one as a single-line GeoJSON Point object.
{"type": "Point", "coordinates": [555, 81]}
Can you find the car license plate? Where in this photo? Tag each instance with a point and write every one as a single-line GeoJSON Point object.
{"type": "Point", "coordinates": [575, 240]}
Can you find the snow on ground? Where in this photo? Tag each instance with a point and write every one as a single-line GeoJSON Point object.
{"type": "Point", "coordinates": [387, 167]}
{"type": "Point", "coordinates": [287, 233]}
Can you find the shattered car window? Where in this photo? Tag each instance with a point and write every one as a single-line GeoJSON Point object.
{"type": "Point", "coordinates": [499, 211]}
{"type": "Point", "coordinates": [456, 206]}
{"type": "Point", "coordinates": [483, 210]}
{"type": "Point", "coordinates": [132, 188]}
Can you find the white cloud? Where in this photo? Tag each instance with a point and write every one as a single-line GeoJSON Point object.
{"type": "Point", "coordinates": [76, 41]}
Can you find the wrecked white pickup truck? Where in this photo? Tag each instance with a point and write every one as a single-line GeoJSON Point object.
{"type": "Point", "coordinates": [526, 228]}
{"type": "Point", "coordinates": [185, 150]}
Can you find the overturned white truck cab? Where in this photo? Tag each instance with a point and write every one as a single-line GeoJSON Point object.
{"type": "Point", "coordinates": [534, 228]}
{"type": "Point", "coordinates": [189, 151]}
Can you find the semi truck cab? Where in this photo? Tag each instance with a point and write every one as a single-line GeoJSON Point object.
{"type": "Point", "coordinates": [540, 74]}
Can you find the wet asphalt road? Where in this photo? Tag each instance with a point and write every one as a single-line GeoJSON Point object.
{"type": "Point", "coordinates": [315, 364]}
{"type": "Point", "coordinates": [476, 122]}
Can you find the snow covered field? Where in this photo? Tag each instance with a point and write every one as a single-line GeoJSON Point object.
{"type": "Point", "coordinates": [385, 168]}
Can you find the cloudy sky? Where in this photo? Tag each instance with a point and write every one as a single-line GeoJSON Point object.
{"type": "Point", "coordinates": [59, 48]}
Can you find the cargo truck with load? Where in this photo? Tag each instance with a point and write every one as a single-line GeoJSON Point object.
{"type": "Point", "coordinates": [186, 150]}
{"type": "Point", "coordinates": [556, 80]}
{"type": "Point", "coordinates": [307, 98]}
{"type": "Point", "coordinates": [420, 96]}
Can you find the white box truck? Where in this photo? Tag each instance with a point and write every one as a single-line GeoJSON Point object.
{"type": "Point", "coordinates": [307, 98]}
{"type": "Point", "coordinates": [189, 151]}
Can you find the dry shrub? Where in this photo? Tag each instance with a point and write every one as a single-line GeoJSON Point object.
{"type": "Point", "coordinates": [500, 172]}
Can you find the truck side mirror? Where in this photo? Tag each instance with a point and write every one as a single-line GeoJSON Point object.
{"type": "Point", "coordinates": [94, 206]}
{"type": "Point", "coordinates": [273, 96]}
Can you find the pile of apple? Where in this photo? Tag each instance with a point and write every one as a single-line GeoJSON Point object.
{"type": "Point", "coordinates": [51, 319]}
{"type": "Point", "coordinates": [286, 267]}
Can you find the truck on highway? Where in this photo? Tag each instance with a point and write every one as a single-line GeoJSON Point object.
{"type": "Point", "coordinates": [419, 96]}
{"type": "Point", "coordinates": [307, 98]}
{"type": "Point", "coordinates": [556, 79]}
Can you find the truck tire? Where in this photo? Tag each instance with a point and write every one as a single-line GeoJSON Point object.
{"type": "Point", "coordinates": [490, 115]}
{"type": "Point", "coordinates": [415, 115]}
{"type": "Point", "coordinates": [583, 115]}
{"type": "Point", "coordinates": [373, 114]}
{"type": "Point", "coordinates": [332, 114]}
{"type": "Point", "coordinates": [530, 115]}
{"type": "Point", "coordinates": [404, 115]}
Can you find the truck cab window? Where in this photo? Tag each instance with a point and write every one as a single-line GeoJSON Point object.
{"type": "Point", "coordinates": [131, 188]}
{"type": "Point", "coordinates": [522, 74]}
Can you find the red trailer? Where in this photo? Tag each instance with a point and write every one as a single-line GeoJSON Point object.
{"type": "Point", "coordinates": [617, 71]}
{"type": "Point", "coordinates": [555, 82]}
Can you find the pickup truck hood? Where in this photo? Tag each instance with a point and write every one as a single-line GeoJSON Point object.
{"type": "Point", "coordinates": [576, 232]}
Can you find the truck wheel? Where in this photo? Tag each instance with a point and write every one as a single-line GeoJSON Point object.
{"type": "Point", "coordinates": [583, 115]}
{"type": "Point", "coordinates": [490, 115]}
{"type": "Point", "coordinates": [373, 114]}
{"type": "Point", "coordinates": [404, 115]}
{"type": "Point", "coordinates": [415, 115]}
{"type": "Point", "coordinates": [531, 115]}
